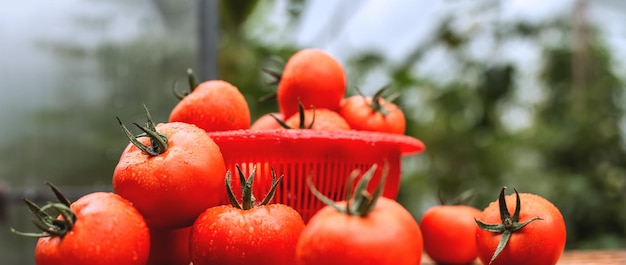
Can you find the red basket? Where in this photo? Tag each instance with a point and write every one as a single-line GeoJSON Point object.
{"type": "Point", "coordinates": [328, 156]}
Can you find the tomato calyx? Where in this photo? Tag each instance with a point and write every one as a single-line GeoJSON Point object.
{"type": "Point", "coordinates": [193, 83]}
{"type": "Point", "coordinates": [462, 199]}
{"type": "Point", "coordinates": [510, 224]}
{"type": "Point", "coordinates": [362, 202]}
{"type": "Point", "coordinates": [302, 124]}
{"type": "Point", "coordinates": [377, 104]}
{"type": "Point", "coordinates": [274, 67]}
{"type": "Point", "coordinates": [47, 223]}
{"type": "Point", "coordinates": [275, 73]}
{"type": "Point", "coordinates": [247, 198]}
{"type": "Point", "coordinates": [158, 141]}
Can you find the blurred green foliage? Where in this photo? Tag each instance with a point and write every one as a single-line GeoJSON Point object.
{"type": "Point", "coordinates": [571, 151]}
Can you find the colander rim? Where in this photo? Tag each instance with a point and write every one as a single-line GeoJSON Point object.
{"type": "Point", "coordinates": [408, 145]}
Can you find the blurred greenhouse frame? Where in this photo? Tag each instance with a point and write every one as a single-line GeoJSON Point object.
{"type": "Point", "coordinates": [554, 127]}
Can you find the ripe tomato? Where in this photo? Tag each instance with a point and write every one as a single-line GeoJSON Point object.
{"type": "Point", "coordinates": [318, 119]}
{"type": "Point", "coordinates": [315, 78]}
{"type": "Point", "coordinates": [169, 246]}
{"type": "Point", "coordinates": [371, 230]}
{"type": "Point", "coordinates": [533, 234]}
{"type": "Point", "coordinates": [449, 233]}
{"type": "Point", "coordinates": [388, 235]}
{"type": "Point", "coordinates": [246, 233]}
{"type": "Point", "coordinates": [372, 114]}
{"type": "Point", "coordinates": [99, 228]}
{"type": "Point", "coordinates": [267, 122]}
{"type": "Point", "coordinates": [214, 105]}
{"type": "Point", "coordinates": [171, 187]}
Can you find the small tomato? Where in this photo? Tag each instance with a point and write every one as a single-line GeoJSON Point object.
{"type": "Point", "coordinates": [450, 227]}
{"type": "Point", "coordinates": [213, 105]}
{"type": "Point", "coordinates": [373, 114]}
{"type": "Point", "coordinates": [245, 233]}
{"type": "Point", "coordinates": [533, 234]}
{"type": "Point", "coordinates": [364, 229]}
{"type": "Point", "coordinates": [313, 77]}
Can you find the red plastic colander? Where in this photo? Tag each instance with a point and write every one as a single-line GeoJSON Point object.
{"type": "Point", "coordinates": [328, 156]}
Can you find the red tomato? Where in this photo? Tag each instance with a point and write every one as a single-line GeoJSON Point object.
{"type": "Point", "coordinates": [214, 105]}
{"type": "Point", "coordinates": [318, 119]}
{"type": "Point", "coordinates": [170, 189]}
{"type": "Point", "coordinates": [383, 232]}
{"type": "Point", "coordinates": [246, 233]}
{"type": "Point", "coordinates": [536, 228]}
{"type": "Point", "coordinates": [262, 235]}
{"type": "Point", "coordinates": [449, 233]}
{"type": "Point", "coordinates": [372, 114]}
{"type": "Point", "coordinates": [169, 246]}
{"type": "Point", "coordinates": [313, 77]}
{"type": "Point", "coordinates": [106, 229]}
{"type": "Point", "coordinates": [388, 235]}
{"type": "Point", "coordinates": [267, 122]}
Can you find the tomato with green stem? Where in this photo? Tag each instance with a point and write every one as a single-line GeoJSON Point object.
{"type": "Point", "coordinates": [171, 173]}
{"type": "Point", "coordinates": [100, 228]}
{"type": "Point", "coordinates": [213, 105]}
{"type": "Point", "coordinates": [364, 229]}
{"type": "Point", "coordinates": [246, 232]}
{"type": "Point", "coordinates": [373, 113]}
{"type": "Point", "coordinates": [317, 119]}
{"type": "Point", "coordinates": [314, 119]}
{"type": "Point", "coordinates": [533, 234]}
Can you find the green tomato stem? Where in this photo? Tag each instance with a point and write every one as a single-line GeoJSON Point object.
{"type": "Point", "coordinates": [48, 224]}
{"type": "Point", "coordinates": [509, 223]}
{"type": "Point", "coordinates": [247, 196]}
{"type": "Point", "coordinates": [193, 84]}
{"type": "Point", "coordinates": [362, 202]}
{"type": "Point", "coordinates": [158, 141]}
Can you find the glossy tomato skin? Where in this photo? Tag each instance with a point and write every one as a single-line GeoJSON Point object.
{"type": "Point", "coordinates": [214, 105]}
{"type": "Point", "coordinates": [322, 119]}
{"type": "Point", "coordinates": [315, 78]}
{"type": "Point", "coordinates": [169, 246]}
{"type": "Point", "coordinates": [539, 243]}
{"type": "Point", "coordinates": [388, 235]}
{"type": "Point", "coordinates": [359, 114]}
{"type": "Point", "coordinates": [267, 122]}
{"type": "Point", "coordinates": [449, 233]}
{"type": "Point", "coordinates": [108, 230]}
{"type": "Point", "coordinates": [261, 235]}
{"type": "Point", "coordinates": [170, 190]}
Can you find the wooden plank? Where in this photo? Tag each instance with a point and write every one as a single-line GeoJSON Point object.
{"type": "Point", "coordinates": [605, 257]}
{"type": "Point", "coordinates": [584, 257]}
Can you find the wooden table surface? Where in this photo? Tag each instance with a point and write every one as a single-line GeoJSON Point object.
{"type": "Point", "coordinates": [585, 257]}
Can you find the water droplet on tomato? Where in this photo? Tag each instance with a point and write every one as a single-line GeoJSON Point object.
{"type": "Point", "coordinates": [242, 222]}
{"type": "Point", "coordinates": [257, 221]}
{"type": "Point", "coordinates": [251, 229]}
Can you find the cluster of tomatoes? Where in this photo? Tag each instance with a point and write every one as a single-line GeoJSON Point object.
{"type": "Point", "coordinates": [534, 233]}
{"type": "Point", "coordinates": [170, 182]}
